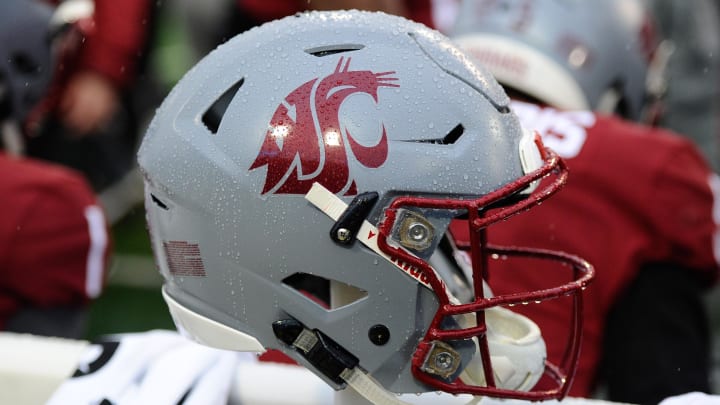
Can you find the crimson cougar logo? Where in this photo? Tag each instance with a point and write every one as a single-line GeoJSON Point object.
{"type": "Point", "coordinates": [305, 142]}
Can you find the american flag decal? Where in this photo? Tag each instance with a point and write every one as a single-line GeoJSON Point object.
{"type": "Point", "coordinates": [184, 258]}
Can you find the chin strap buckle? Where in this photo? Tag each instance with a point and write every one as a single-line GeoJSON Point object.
{"type": "Point", "coordinates": [347, 226]}
{"type": "Point", "coordinates": [323, 353]}
{"type": "Point", "coordinates": [333, 361]}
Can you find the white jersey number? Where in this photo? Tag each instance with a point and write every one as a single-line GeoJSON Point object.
{"type": "Point", "coordinates": [564, 132]}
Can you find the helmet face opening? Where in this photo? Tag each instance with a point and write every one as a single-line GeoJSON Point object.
{"type": "Point", "coordinates": [300, 181]}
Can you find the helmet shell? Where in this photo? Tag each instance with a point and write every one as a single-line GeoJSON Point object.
{"type": "Point", "coordinates": [357, 101]}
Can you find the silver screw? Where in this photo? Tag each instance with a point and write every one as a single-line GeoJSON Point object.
{"type": "Point", "coordinates": [343, 234]}
{"type": "Point", "coordinates": [418, 232]}
{"type": "Point", "coordinates": [444, 361]}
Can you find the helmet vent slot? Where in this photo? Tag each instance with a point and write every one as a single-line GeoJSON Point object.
{"type": "Point", "coordinates": [317, 289]}
{"type": "Point", "coordinates": [449, 139]}
{"type": "Point", "coordinates": [453, 135]}
{"type": "Point", "coordinates": [158, 202]}
{"type": "Point", "coordinates": [327, 50]}
{"type": "Point", "coordinates": [213, 116]}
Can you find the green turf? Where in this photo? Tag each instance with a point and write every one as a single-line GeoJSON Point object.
{"type": "Point", "coordinates": [130, 234]}
{"type": "Point", "coordinates": [128, 309]}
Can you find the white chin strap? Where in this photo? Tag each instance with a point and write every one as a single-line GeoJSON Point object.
{"type": "Point", "coordinates": [516, 345]}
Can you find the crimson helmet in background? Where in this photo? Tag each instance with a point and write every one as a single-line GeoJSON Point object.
{"type": "Point", "coordinates": [299, 182]}
{"type": "Point", "coordinates": [575, 55]}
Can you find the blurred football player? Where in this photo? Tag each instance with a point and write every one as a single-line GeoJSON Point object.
{"type": "Point", "coordinates": [54, 240]}
{"type": "Point", "coordinates": [640, 203]}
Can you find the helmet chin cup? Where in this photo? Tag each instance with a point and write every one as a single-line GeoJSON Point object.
{"type": "Point", "coordinates": [517, 352]}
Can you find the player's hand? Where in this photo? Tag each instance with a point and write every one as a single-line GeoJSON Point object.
{"type": "Point", "coordinates": [157, 367]}
{"type": "Point", "coordinates": [88, 103]}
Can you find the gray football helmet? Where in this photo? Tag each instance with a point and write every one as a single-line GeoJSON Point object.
{"type": "Point", "coordinates": [570, 54]}
{"type": "Point", "coordinates": [26, 59]}
{"type": "Point", "coordinates": [299, 180]}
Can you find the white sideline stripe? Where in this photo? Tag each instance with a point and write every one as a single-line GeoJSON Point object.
{"type": "Point", "coordinates": [96, 254]}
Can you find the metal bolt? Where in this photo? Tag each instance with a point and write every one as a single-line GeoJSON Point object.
{"type": "Point", "coordinates": [418, 232]}
{"type": "Point", "coordinates": [414, 231]}
{"type": "Point", "coordinates": [343, 234]}
{"type": "Point", "coordinates": [444, 360]}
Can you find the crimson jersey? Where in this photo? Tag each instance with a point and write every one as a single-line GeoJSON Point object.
{"type": "Point", "coordinates": [635, 195]}
{"type": "Point", "coordinates": [53, 237]}
{"type": "Point", "coordinates": [262, 10]}
{"type": "Point", "coordinates": [116, 35]}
